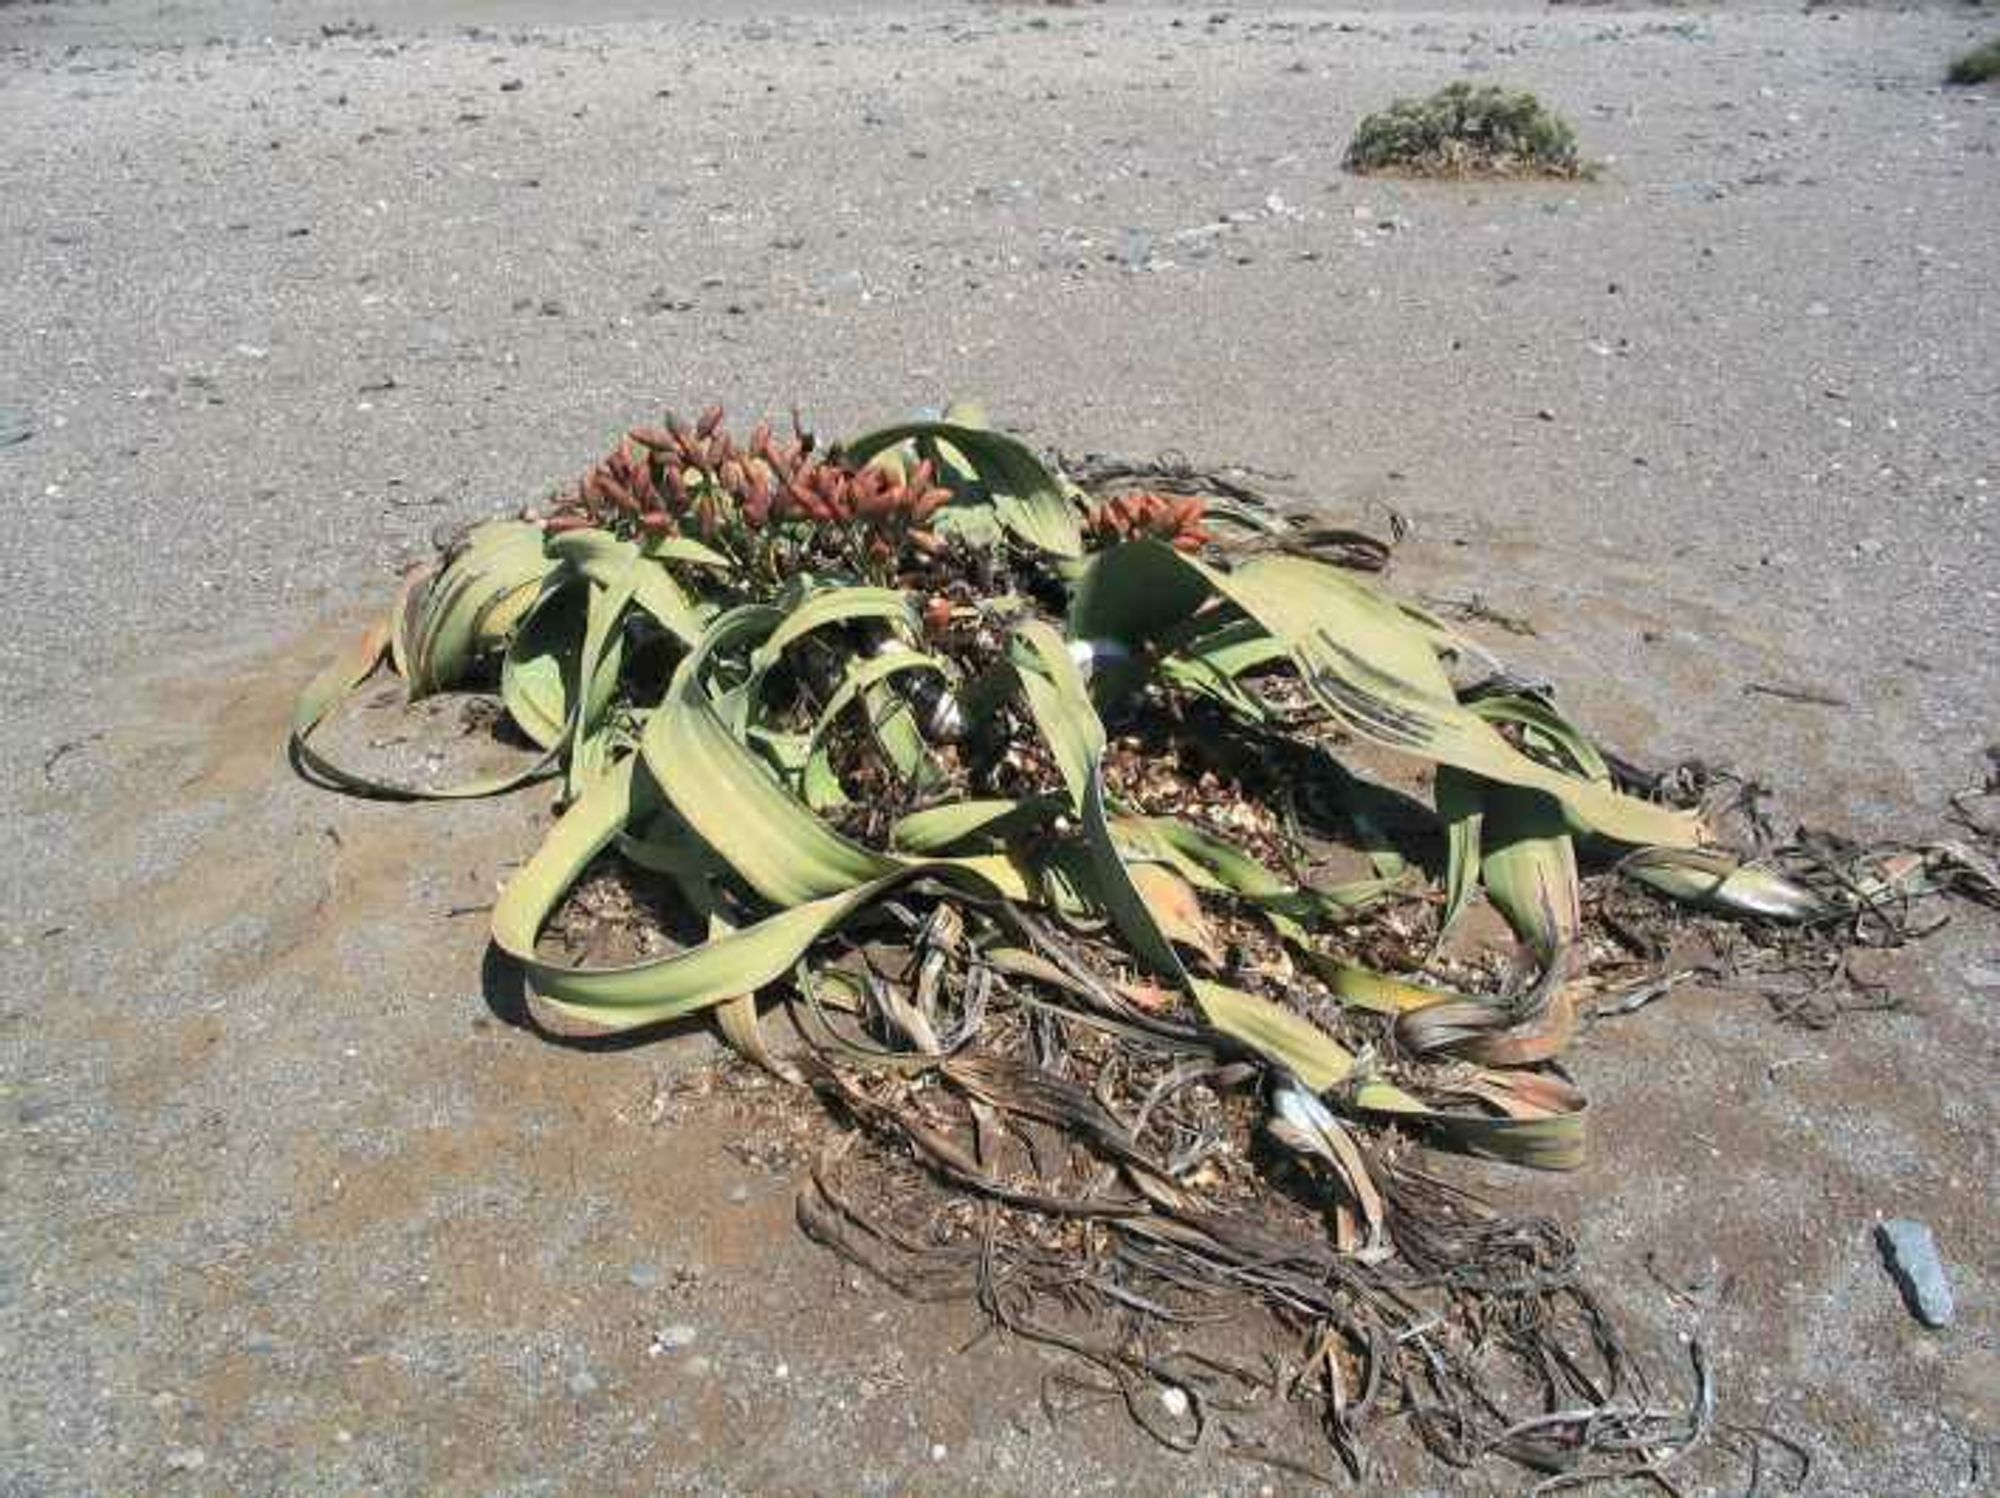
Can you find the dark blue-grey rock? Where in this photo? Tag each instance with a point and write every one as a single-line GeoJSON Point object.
{"type": "Point", "coordinates": [1911, 1254]}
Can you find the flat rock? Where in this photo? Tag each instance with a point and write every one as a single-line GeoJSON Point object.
{"type": "Point", "coordinates": [1911, 1254]}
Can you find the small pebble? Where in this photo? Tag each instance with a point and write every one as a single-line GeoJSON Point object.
{"type": "Point", "coordinates": [1176, 1402]}
{"type": "Point", "coordinates": [1911, 1253]}
{"type": "Point", "coordinates": [673, 1338]}
{"type": "Point", "coordinates": [645, 1276]}
{"type": "Point", "coordinates": [582, 1385]}
{"type": "Point", "coordinates": [187, 1459]}
{"type": "Point", "coordinates": [739, 1194]}
{"type": "Point", "coordinates": [938, 1452]}
{"type": "Point", "coordinates": [697, 1366]}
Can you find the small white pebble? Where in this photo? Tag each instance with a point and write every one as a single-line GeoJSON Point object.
{"type": "Point", "coordinates": [938, 1452]}
{"type": "Point", "coordinates": [673, 1338]}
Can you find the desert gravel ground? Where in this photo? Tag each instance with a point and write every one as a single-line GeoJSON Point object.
{"type": "Point", "coordinates": [290, 1206]}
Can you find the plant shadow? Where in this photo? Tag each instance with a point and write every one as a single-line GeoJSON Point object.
{"type": "Point", "coordinates": [504, 987]}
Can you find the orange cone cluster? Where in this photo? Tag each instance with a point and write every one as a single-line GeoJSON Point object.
{"type": "Point", "coordinates": [698, 481]}
{"type": "Point", "coordinates": [1144, 516]}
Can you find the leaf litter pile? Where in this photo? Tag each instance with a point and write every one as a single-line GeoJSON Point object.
{"type": "Point", "coordinates": [1113, 847]}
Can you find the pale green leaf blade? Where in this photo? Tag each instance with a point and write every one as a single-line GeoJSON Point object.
{"type": "Point", "coordinates": [731, 798]}
{"type": "Point", "coordinates": [1529, 867]}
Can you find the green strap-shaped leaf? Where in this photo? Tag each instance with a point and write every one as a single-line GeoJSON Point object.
{"type": "Point", "coordinates": [326, 691]}
{"type": "Point", "coordinates": [829, 606]}
{"type": "Point", "coordinates": [1376, 670]}
{"type": "Point", "coordinates": [1135, 592]}
{"type": "Point", "coordinates": [473, 604]}
{"type": "Point", "coordinates": [406, 614]}
{"type": "Point", "coordinates": [1238, 646]}
{"type": "Point", "coordinates": [1722, 881]}
{"type": "Point", "coordinates": [937, 829]}
{"type": "Point", "coordinates": [354, 664]}
{"type": "Point", "coordinates": [1202, 678]}
{"type": "Point", "coordinates": [603, 632]}
{"type": "Point", "coordinates": [727, 965]}
{"type": "Point", "coordinates": [1059, 703]}
{"type": "Point", "coordinates": [1529, 867]}
{"type": "Point", "coordinates": [863, 674]}
{"type": "Point", "coordinates": [1460, 807]}
{"type": "Point", "coordinates": [805, 773]}
{"type": "Point", "coordinates": [1218, 865]}
{"type": "Point", "coordinates": [1277, 1034]}
{"type": "Point", "coordinates": [1384, 709]}
{"type": "Point", "coordinates": [538, 676]}
{"type": "Point", "coordinates": [1546, 731]}
{"type": "Point", "coordinates": [1299, 601]}
{"type": "Point", "coordinates": [606, 560]}
{"type": "Point", "coordinates": [893, 723]}
{"type": "Point", "coordinates": [731, 799]}
{"type": "Point", "coordinates": [724, 791]}
{"type": "Point", "coordinates": [1364, 988]}
{"type": "Point", "coordinates": [890, 720]}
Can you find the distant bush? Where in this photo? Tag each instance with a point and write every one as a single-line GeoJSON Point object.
{"type": "Point", "coordinates": [1463, 131]}
{"type": "Point", "coordinates": [1978, 65]}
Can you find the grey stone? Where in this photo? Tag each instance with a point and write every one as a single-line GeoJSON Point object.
{"type": "Point", "coordinates": [1911, 1254]}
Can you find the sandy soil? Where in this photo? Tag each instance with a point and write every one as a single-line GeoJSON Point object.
{"type": "Point", "coordinates": [292, 1206]}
